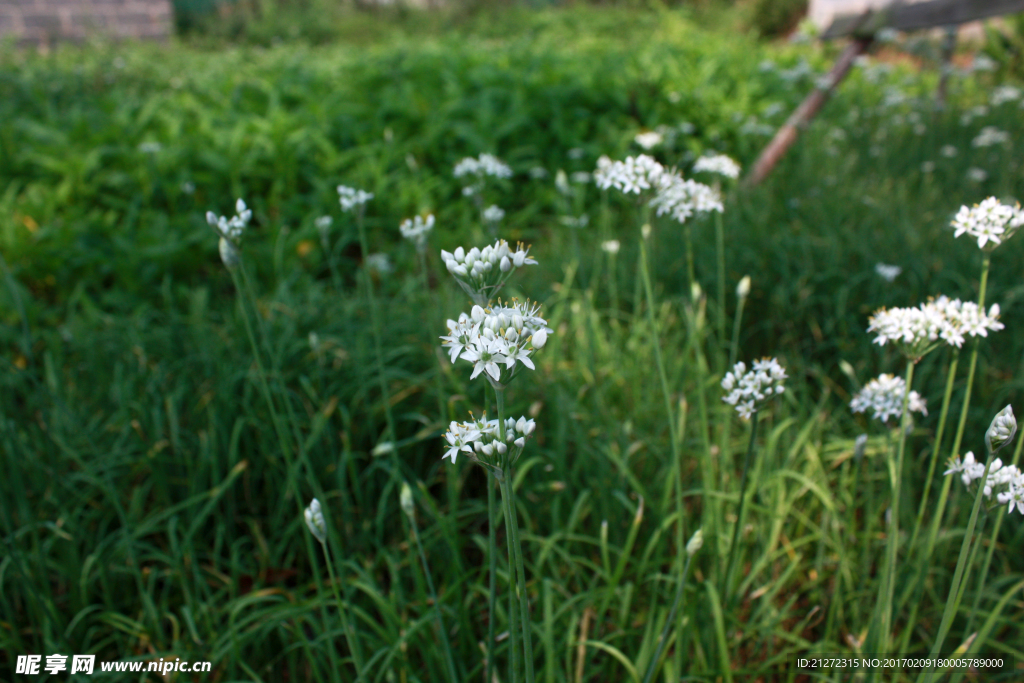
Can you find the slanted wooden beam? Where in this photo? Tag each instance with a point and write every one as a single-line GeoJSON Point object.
{"type": "Point", "coordinates": [786, 135]}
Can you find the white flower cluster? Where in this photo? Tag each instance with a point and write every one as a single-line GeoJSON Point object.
{"type": "Point", "coordinates": [231, 228]}
{"type": "Point", "coordinates": [718, 163]}
{"type": "Point", "coordinates": [493, 214]}
{"type": "Point", "coordinates": [884, 396]}
{"type": "Point", "coordinates": [918, 330]}
{"type": "Point", "coordinates": [990, 136]}
{"type": "Point", "coordinates": [482, 272]}
{"type": "Point", "coordinates": [350, 198]}
{"type": "Point", "coordinates": [500, 334]}
{"type": "Point", "coordinates": [416, 229]}
{"type": "Point", "coordinates": [649, 139]}
{"type": "Point", "coordinates": [990, 221]}
{"type": "Point", "coordinates": [483, 438]}
{"type": "Point", "coordinates": [1004, 94]}
{"type": "Point", "coordinates": [747, 390]}
{"type": "Point", "coordinates": [673, 195]}
{"type": "Point", "coordinates": [681, 198]}
{"type": "Point", "coordinates": [632, 176]}
{"type": "Point", "coordinates": [887, 272]}
{"type": "Point", "coordinates": [999, 476]}
{"type": "Point", "coordinates": [485, 165]}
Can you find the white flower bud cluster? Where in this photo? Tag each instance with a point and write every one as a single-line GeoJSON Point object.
{"type": "Point", "coordinates": [1002, 429]}
{"type": "Point", "coordinates": [884, 396]}
{"type": "Point", "coordinates": [350, 198]}
{"type": "Point", "coordinates": [747, 390]}
{"type": "Point", "coordinates": [315, 521]}
{"type": "Point", "coordinates": [717, 163]}
{"type": "Point", "coordinates": [482, 272]}
{"type": "Point", "coordinates": [232, 228]}
{"type": "Point", "coordinates": [482, 439]}
{"type": "Point", "coordinates": [490, 337]}
{"type": "Point", "coordinates": [416, 230]}
{"type": "Point", "coordinates": [991, 221]}
{"type": "Point", "coordinates": [485, 165]}
{"type": "Point", "coordinates": [918, 330]}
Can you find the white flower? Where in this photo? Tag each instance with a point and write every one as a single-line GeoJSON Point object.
{"type": "Point", "coordinates": [323, 223]}
{"type": "Point", "coordinates": [315, 521]}
{"type": "Point", "coordinates": [681, 198]}
{"type": "Point", "coordinates": [406, 501]}
{"type": "Point", "coordinates": [884, 396]}
{"type": "Point", "coordinates": [977, 175]}
{"type": "Point", "coordinates": [485, 165]}
{"type": "Point", "coordinates": [989, 136]}
{"type": "Point", "coordinates": [989, 221]}
{"type": "Point", "coordinates": [350, 198]}
{"type": "Point", "coordinates": [232, 228]}
{"type": "Point", "coordinates": [496, 335]}
{"type": "Point", "coordinates": [948, 151]}
{"type": "Point", "coordinates": [718, 163]}
{"type": "Point", "coordinates": [460, 437]}
{"type": "Point", "coordinates": [379, 263]}
{"type": "Point", "coordinates": [748, 390]}
{"type": "Point", "coordinates": [632, 176]}
{"type": "Point", "coordinates": [575, 221]}
{"type": "Point", "coordinates": [916, 331]}
{"type": "Point", "coordinates": [1004, 94]}
{"type": "Point", "coordinates": [493, 214]}
{"type": "Point", "coordinates": [416, 230]}
{"type": "Point", "coordinates": [611, 246]}
{"type": "Point", "coordinates": [887, 272]}
{"type": "Point", "coordinates": [648, 139]}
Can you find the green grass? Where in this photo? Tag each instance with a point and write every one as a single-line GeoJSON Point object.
{"type": "Point", "coordinates": [144, 499]}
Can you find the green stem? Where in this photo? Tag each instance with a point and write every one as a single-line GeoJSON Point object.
{"type": "Point", "coordinates": [955, 590]}
{"type": "Point", "coordinates": [378, 346]}
{"type": "Point", "coordinates": [452, 675]}
{"type": "Point", "coordinates": [350, 637]}
{"type": "Point", "coordinates": [666, 393]}
{"type": "Point", "coordinates": [515, 666]}
{"type": "Point", "coordinates": [739, 515]}
{"type": "Point", "coordinates": [524, 608]}
{"type": "Point", "coordinates": [893, 532]}
{"type": "Point", "coordinates": [720, 248]}
{"type": "Point", "coordinates": [492, 558]}
{"type": "Point", "coordinates": [668, 622]}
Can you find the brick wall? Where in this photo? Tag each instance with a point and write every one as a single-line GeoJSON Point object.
{"type": "Point", "coordinates": [48, 21]}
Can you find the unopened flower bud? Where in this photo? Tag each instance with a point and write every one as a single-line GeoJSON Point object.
{"type": "Point", "coordinates": [405, 498]}
{"type": "Point", "coordinates": [506, 264]}
{"type": "Point", "coordinates": [743, 288]}
{"type": "Point", "coordinates": [520, 442]}
{"type": "Point", "coordinates": [540, 338]}
{"type": "Point", "coordinates": [1002, 429]}
{"type": "Point", "coordinates": [695, 543]}
{"type": "Point", "coordinates": [858, 447]}
{"type": "Point", "coordinates": [315, 521]}
{"type": "Point", "coordinates": [645, 230]}
{"type": "Point", "coordinates": [695, 292]}
{"type": "Point", "coordinates": [500, 447]}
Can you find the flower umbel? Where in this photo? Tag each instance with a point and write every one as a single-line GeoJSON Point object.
{"type": "Point", "coordinates": [750, 389]}
{"type": "Point", "coordinates": [916, 331]}
{"type": "Point", "coordinates": [416, 229]}
{"type": "Point", "coordinates": [991, 222]}
{"type": "Point", "coordinates": [350, 198]}
{"type": "Point", "coordinates": [717, 163]}
{"type": "Point", "coordinates": [884, 396]}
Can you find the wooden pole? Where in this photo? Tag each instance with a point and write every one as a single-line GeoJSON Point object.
{"type": "Point", "coordinates": [786, 135]}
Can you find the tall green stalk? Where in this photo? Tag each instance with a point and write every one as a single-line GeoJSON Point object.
{"type": "Point", "coordinates": [720, 249]}
{"type": "Point", "coordinates": [882, 635]}
{"type": "Point", "coordinates": [343, 606]}
{"type": "Point", "coordinates": [727, 587]}
{"type": "Point", "coordinates": [378, 347]}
